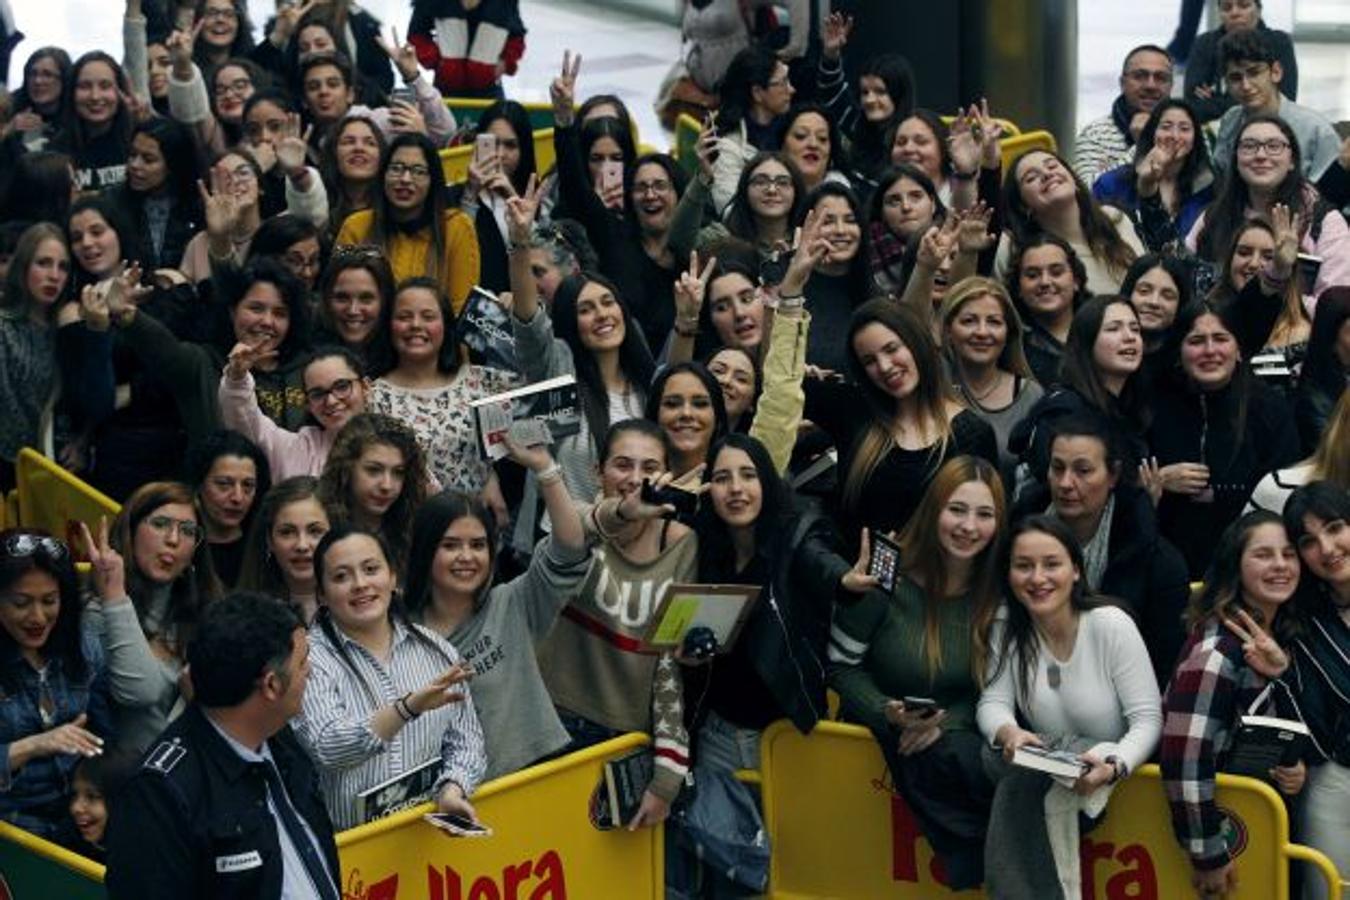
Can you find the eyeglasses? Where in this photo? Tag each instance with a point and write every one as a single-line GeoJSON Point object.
{"type": "Point", "coordinates": [224, 12]}
{"type": "Point", "coordinates": [20, 546]}
{"type": "Point", "coordinates": [239, 86]}
{"type": "Point", "coordinates": [187, 530]}
{"type": "Point", "coordinates": [760, 182]}
{"type": "Point", "coordinates": [295, 262]}
{"type": "Point", "coordinates": [1160, 76]}
{"type": "Point", "coordinates": [416, 173]}
{"type": "Point", "coordinates": [1272, 146]}
{"type": "Point", "coordinates": [659, 186]}
{"type": "Point", "coordinates": [243, 173]}
{"type": "Point", "coordinates": [341, 389]}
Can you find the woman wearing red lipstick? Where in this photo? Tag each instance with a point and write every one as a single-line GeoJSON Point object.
{"type": "Point", "coordinates": [35, 285]}
{"type": "Point", "coordinates": [54, 710]}
{"type": "Point", "coordinates": [1216, 431]}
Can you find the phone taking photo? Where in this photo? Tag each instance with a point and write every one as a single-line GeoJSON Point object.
{"type": "Point", "coordinates": [460, 826]}
{"type": "Point", "coordinates": [685, 502]}
{"type": "Point", "coordinates": [484, 149]}
{"type": "Point", "coordinates": [925, 706]}
{"type": "Point", "coordinates": [885, 561]}
{"type": "Point", "coordinates": [611, 175]}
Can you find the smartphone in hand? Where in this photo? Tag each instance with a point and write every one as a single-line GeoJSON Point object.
{"type": "Point", "coordinates": [458, 825]}
{"type": "Point", "coordinates": [885, 561]}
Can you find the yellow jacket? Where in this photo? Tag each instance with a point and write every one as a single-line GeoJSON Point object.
{"type": "Point", "coordinates": [407, 253]}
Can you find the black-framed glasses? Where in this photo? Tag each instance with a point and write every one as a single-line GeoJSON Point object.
{"type": "Point", "coordinates": [27, 543]}
{"type": "Point", "coordinates": [341, 389]}
{"type": "Point", "coordinates": [415, 172]}
{"type": "Point", "coordinates": [187, 529]}
{"type": "Point", "coordinates": [1272, 146]}
{"type": "Point", "coordinates": [782, 182]}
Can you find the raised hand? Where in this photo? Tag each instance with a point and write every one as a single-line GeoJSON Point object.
{"type": "Point", "coordinates": [1153, 167]}
{"type": "Point", "coordinates": [1259, 649]}
{"type": "Point", "coordinates": [690, 289]}
{"type": "Point", "coordinates": [838, 27]}
{"type": "Point", "coordinates": [293, 147]}
{"type": "Point", "coordinates": [706, 149]}
{"type": "Point", "coordinates": [406, 118]}
{"type": "Point", "coordinates": [810, 247]}
{"type": "Point", "coordinates": [520, 212]}
{"type": "Point", "coordinates": [562, 91]}
{"type": "Point", "coordinates": [287, 19]}
{"type": "Point", "coordinates": [937, 243]}
{"type": "Point", "coordinates": [1150, 479]}
{"type": "Point", "coordinates": [109, 570]}
{"type": "Point", "coordinates": [404, 55]}
{"type": "Point", "coordinates": [179, 45]}
{"type": "Point", "coordinates": [857, 580]}
{"type": "Point", "coordinates": [535, 457]}
{"type": "Point", "coordinates": [125, 290]}
{"type": "Point", "coordinates": [245, 357]}
{"type": "Point", "coordinates": [988, 133]}
{"type": "Point", "coordinates": [94, 308]}
{"type": "Point", "coordinates": [72, 739]}
{"type": "Point", "coordinates": [1286, 227]}
{"type": "Point", "coordinates": [440, 690]}
{"type": "Point", "coordinates": [972, 229]}
{"type": "Point", "coordinates": [962, 146]}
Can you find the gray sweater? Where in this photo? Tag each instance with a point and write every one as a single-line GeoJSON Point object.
{"type": "Point", "coordinates": [144, 687]}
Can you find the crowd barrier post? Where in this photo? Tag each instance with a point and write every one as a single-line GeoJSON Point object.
{"type": "Point", "coordinates": [33, 867]}
{"type": "Point", "coordinates": [52, 499]}
{"type": "Point", "coordinates": [544, 846]}
{"type": "Point", "coordinates": [838, 830]}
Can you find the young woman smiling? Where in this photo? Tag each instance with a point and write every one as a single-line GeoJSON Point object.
{"type": "Point", "coordinates": [279, 558]}
{"type": "Point", "coordinates": [39, 103]}
{"type": "Point", "coordinates": [1279, 321]}
{"type": "Point", "coordinates": [904, 205]}
{"type": "Point", "coordinates": [930, 637]}
{"type": "Point", "coordinates": [982, 347]}
{"type": "Point", "coordinates": [153, 577]}
{"type": "Point", "coordinates": [97, 127]}
{"type": "Point", "coordinates": [411, 223]}
{"type": "Point", "coordinates": [1231, 666]}
{"type": "Point", "coordinates": [1047, 282]}
{"type": "Point", "coordinates": [160, 193]}
{"type": "Point", "coordinates": [384, 694]}
{"type": "Point", "coordinates": [1067, 672]}
{"type": "Point", "coordinates": [427, 384]}
{"type": "Point", "coordinates": [55, 678]}
{"type": "Point", "coordinates": [811, 140]}
{"type": "Point", "coordinates": [1216, 431]}
{"type": "Point", "coordinates": [495, 628]}
{"type": "Point", "coordinates": [839, 279]}
{"type": "Point", "coordinates": [686, 401]}
{"type": "Point", "coordinates": [376, 477]}
{"type": "Point", "coordinates": [230, 473]}
{"type": "Point", "coordinates": [350, 162]}
{"type": "Point", "coordinates": [355, 291]}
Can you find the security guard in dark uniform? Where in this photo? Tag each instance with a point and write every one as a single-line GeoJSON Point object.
{"type": "Point", "coordinates": [227, 804]}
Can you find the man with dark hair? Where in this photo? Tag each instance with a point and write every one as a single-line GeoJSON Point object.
{"type": "Point", "coordinates": [1103, 144]}
{"type": "Point", "coordinates": [227, 804]}
{"type": "Point", "coordinates": [1253, 72]}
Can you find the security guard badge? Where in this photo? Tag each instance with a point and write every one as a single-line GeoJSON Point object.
{"type": "Point", "coordinates": [165, 756]}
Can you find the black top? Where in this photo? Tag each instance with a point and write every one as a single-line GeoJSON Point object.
{"type": "Point", "coordinates": [100, 164]}
{"type": "Point", "coordinates": [226, 558]}
{"type": "Point", "coordinates": [202, 808]}
{"type": "Point", "coordinates": [831, 304]}
{"type": "Point", "coordinates": [1205, 68]}
{"type": "Point", "coordinates": [736, 692]}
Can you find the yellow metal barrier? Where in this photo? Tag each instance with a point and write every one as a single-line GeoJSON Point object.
{"type": "Point", "coordinates": [838, 831]}
{"type": "Point", "coordinates": [32, 867]}
{"type": "Point", "coordinates": [468, 110]}
{"type": "Point", "coordinates": [9, 510]}
{"type": "Point", "coordinates": [54, 500]}
{"type": "Point", "coordinates": [455, 160]}
{"type": "Point", "coordinates": [543, 843]}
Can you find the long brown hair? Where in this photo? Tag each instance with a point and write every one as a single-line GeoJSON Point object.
{"type": "Point", "coordinates": [923, 560]}
{"type": "Point", "coordinates": [1330, 460]}
{"type": "Point", "coordinates": [1221, 596]}
{"type": "Point", "coordinates": [1292, 313]}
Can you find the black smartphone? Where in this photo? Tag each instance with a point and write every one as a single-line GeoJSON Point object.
{"type": "Point", "coordinates": [885, 561]}
{"type": "Point", "coordinates": [1308, 267]}
{"type": "Point", "coordinates": [685, 502]}
{"type": "Point", "coordinates": [924, 705]}
{"type": "Point", "coordinates": [458, 825]}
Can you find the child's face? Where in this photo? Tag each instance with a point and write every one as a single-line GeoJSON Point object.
{"type": "Point", "coordinates": [89, 811]}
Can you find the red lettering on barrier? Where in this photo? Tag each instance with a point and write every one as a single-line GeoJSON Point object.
{"type": "Point", "coordinates": [1139, 881]}
{"type": "Point", "coordinates": [355, 889]}
{"type": "Point", "coordinates": [514, 880]}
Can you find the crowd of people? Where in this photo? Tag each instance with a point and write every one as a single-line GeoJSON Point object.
{"type": "Point", "coordinates": [1096, 404]}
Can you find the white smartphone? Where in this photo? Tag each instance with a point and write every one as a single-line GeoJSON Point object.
{"type": "Point", "coordinates": [459, 826]}
{"type": "Point", "coordinates": [611, 175]}
{"type": "Point", "coordinates": [484, 149]}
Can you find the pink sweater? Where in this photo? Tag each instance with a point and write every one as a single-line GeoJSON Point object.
{"type": "Point", "coordinates": [288, 453]}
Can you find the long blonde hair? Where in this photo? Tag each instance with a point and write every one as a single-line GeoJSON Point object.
{"type": "Point", "coordinates": [1331, 459]}
{"type": "Point", "coordinates": [923, 560]}
{"type": "Point", "coordinates": [1012, 358]}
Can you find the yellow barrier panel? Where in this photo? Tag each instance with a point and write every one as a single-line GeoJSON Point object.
{"type": "Point", "coordinates": [838, 831]}
{"type": "Point", "coordinates": [455, 160]}
{"type": "Point", "coordinates": [9, 510]}
{"type": "Point", "coordinates": [1013, 147]}
{"type": "Point", "coordinates": [54, 500]}
{"type": "Point", "coordinates": [543, 845]}
{"type": "Point", "coordinates": [467, 111]}
{"type": "Point", "coordinates": [32, 867]}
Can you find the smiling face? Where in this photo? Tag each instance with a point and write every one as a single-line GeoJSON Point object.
{"type": "Point", "coordinates": [1325, 550]}
{"type": "Point", "coordinates": [1080, 479]}
{"type": "Point", "coordinates": [417, 328]}
{"type": "Point", "coordinates": [875, 99]}
{"type": "Point", "coordinates": [358, 583]}
{"type": "Point", "coordinates": [327, 94]}
{"type": "Point", "coordinates": [296, 531]}
{"type": "Point", "coordinates": [1146, 80]}
{"type": "Point", "coordinates": [1119, 348]}
{"type": "Point", "coordinates": [164, 541]}
{"type": "Point", "coordinates": [1042, 575]}
{"type": "Point", "coordinates": [839, 226]}
{"type": "Point", "coordinates": [261, 318]}
{"type": "Point", "coordinates": [1209, 353]}
{"type": "Point", "coordinates": [737, 311]}
{"type": "Point", "coordinates": [968, 520]}
{"type": "Point", "coordinates": [228, 491]}
{"type": "Point", "coordinates": [633, 456]}
{"type": "Point", "coordinates": [654, 198]}
{"type": "Point", "coordinates": [358, 152]}
{"type": "Point", "coordinates": [29, 609]}
{"type": "Point", "coordinates": [737, 494]}
{"type": "Point", "coordinates": [1264, 156]}
{"type": "Point", "coordinates": [354, 305]}
{"type": "Point", "coordinates": [159, 62]}
{"type": "Point", "coordinates": [886, 359]}
{"type": "Point", "coordinates": [1045, 281]}
{"type": "Point", "coordinates": [43, 81]}
{"type": "Point", "coordinates": [1043, 182]}
{"type": "Point", "coordinates": [94, 243]}
{"type": "Point", "coordinates": [334, 392]}
{"type": "Point", "coordinates": [600, 324]}
{"type": "Point", "coordinates": [1253, 251]}
{"type": "Point", "coordinates": [147, 170]}
{"type": "Point", "coordinates": [807, 143]}
{"type": "Point", "coordinates": [48, 272]}
{"type": "Point", "coordinates": [1175, 131]}
{"type": "Point", "coordinates": [377, 479]}
{"type": "Point", "coordinates": [1270, 567]}
{"type": "Point", "coordinates": [222, 24]}
{"type": "Point", "coordinates": [907, 208]}
{"type": "Point", "coordinates": [736, 374]}
{"type": "Point", "coordinates": [769, 191]}
{"type": "Point", "coordinates": [96, 98]}
{"type": "Point", "coordinates": [233, 86]}
{"type": "Point", "coordinates": [462, 563]}
{"type": "Point", "coordinates": [1155, 298]}
{"type": "Point", "coordinates": [916, 144]}
{"type": "Point", "coordinates": [407, 180]}
{"type": "Point", "coordinates": [978, 331]}
{"type": "Point", "coordinates": [89, 810]}
{"type": "Point", "coordinates": [686, 415]}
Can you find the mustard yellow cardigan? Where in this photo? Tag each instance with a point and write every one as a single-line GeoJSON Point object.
{"type": "Point", "coordinates": [407, 253]}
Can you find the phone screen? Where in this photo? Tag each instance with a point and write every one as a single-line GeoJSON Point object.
{"type": "Point", "coordinates": [885, 561]}
{"type": "Point", "coordinates": [456, 824]}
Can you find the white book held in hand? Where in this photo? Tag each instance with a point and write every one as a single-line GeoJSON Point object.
{"type": "Point", "coordinates": [539, 413]}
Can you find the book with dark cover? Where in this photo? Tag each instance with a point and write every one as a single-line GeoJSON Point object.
{"type": "Point", "coordinates": [485, 328]}
{"type": "Point", "coordinates": [543, 412]}
{"type": "Point", "coordinates": [1059, 763]}
{"type": "Point", "coordinates": [409, 789]}
{"type": "Point", "coordinates": [626, 780]}
{"type": "Point", "coordinates": [1264, 742]}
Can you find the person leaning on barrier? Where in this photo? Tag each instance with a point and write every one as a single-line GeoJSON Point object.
{"type": "Point", "coordinates": [192, 821]}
